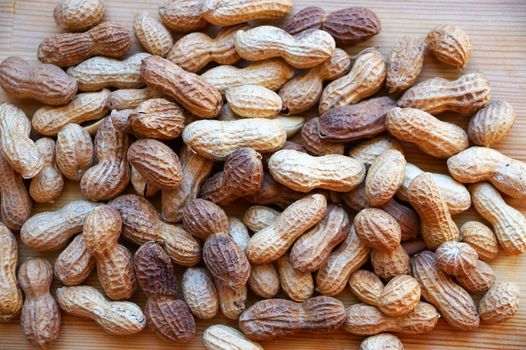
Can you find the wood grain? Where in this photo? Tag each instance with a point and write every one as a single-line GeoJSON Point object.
{"type": "Point", "coordinates": [498, 34]}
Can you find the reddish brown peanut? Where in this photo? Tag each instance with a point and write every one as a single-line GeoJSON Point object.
{"type": "Point", "coordinates": [167, 317]}
{"type": "Point", "coordinates": [15, 205]}
{"type": "Point", "coordinates": [303, 92]}
{"type": "Point", "coordinates": [382, 341]}
{"type": "Point", "coordinates": [384, 178]}
{"type": "Point", "coordinates": [152, 35]}
{"type": "Point", "coordinates": [47, 185]}
{"type": "Point", "coordinates": [40, 316]}
{"type": "Point", "coordinates": [456, 258]}
{"type": "Point", "coordinates": [75, 263]}
{"type": "Point", "coordinates": [117, 317]}
{"type": "Point", "coordinates": [377, 229]}
{"type": "Point", "coordinates": [335, 271]}
{"type": "Point", "coordinates": [405, 64]}
{"type": "Point", "coordinates": [203, 218]}
{"type": "Point", "coordinates": [200, 293]}
{"type": "Point", "coordinates": [230, 12]}
{"type": "Point", "coordinates": [491, 123]}
{"type": "Point", "coordinates": [273, 193]}
{"type": "Point", "coordinates": [366, 77]}
{"type": "Point", "coordinates": [76, 15]}
{"type": "Point", "coordinates": [314, 144]}
{"type": "Point", "coordinates": [157, 119]}
{"type": "Point", "coordinates": [508, 223]}
{"type": "Point", "coordinates": [399, 297]}
{"type": "Point", "coordinates": [74, 151]}
{"type": "Point", "coordinates": [45, 83]}
{"type": "Point", "coordinates": [477, 164]}
{"type": "Point", "coordinates": [112, 173]}
{"type": "Point", "coordinates": [368, 320]}
{"type": "Point", "coordinates": [388, 264]}
{"type": "Point", "coordinates": [272, 318]}
{"type": "Point", "coordinates": [130, 98]}
{"type": "Point", "coordinates": [500, 303]}
{"type": "Point", "coordinates": [298, 285]}
{"type": "Point", "coordinates": [427, 199]}
{"type": "Point", "coordinates": [450, 45]}
{"type": "Point", "coordinates": [367, 151]}
{"type": "Point", "coordinates": [464, 95]}
{"type": "Point", "coordinates": [453, 302]}
{"type": "Point", "coordinates": [182, 15]}
{"type": "Point", "coordinates": [221, 337]}
{"type": "Point", "coordinates": [10, 294]}
{"type": "Point", "coordinates": [481, 238]}
{"type": "Point", "coordinates": [264, 280]}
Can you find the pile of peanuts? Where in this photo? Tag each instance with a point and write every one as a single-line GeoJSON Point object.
{"type": "Point", "coordinates": [324, 204]}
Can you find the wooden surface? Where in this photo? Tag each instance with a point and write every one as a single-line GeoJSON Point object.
{"type": "Point", "coordinates": [498, 33]}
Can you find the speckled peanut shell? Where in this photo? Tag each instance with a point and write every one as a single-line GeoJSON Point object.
{"type": "Point", "coordinates": [47, 185]}
{"type": "Point", "coordinates": [389, 264]}
{"type": "Point", "coordinates": [381, 341]}
{"type": "Point", "coordinates": [384, 178]}
{"type": "Point", "coordinates": [232, 300]}
{"type": "Point", "coordinates": [11, 298]}
{"type": "Point", "coordinates": [404, 64]}
{"type": "Point", "coordinates": [200, 293]}
{"type": "Point", "coordinates": [450, 45]}
{"type": "Point", "coordinates": [481, 238]}
{"type": "Point", "coordinates": [152, 34]}
{"type": "Point", "coordinates": [314, 144]}
{"type": "Point", "coordinates": [272, 192]}
{"type": "Point", "coordinates": [367, 151]}
{"type": "Point", "coordinates": [15, 201]}
{"type": "Point", "coordinates": [182, 15]}
{"type": "Point", "coordinates": [75, 263]}
{"type": "Point", "coordinates": [74, 151]}
{"type": "Point", "coordinates": [253, 101]}
{"type": "Point", "coordinates": [491, 123]}
{"type": "Point", "coordinates": [456, 258]}
{"type": "Point", "coordinates": [221, 337]}
{"type": "Point", "coordinates": [500, 303]}
{"type": "Point", "coordinates": [264, 280]}
{"type": "Point", "coordinates": [77, 15]}
{"type": "Point", "coordinates": [377, 229]}
{"type": "Point", "coordinates": [298, 285]}
{"type": "Point", "coordinates": [230, 12]}
{"type": "Point", "coordinates": [203, 218]}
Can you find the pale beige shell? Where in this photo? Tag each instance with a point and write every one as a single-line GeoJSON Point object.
{"type": "Point", "coordinates": [382, 341]}
{"type": "Point", "coordinates": [450, 45]}
{"type": "Point", "coordinates": [384, 178]}
{"type": "Point", "coordinates": [491, 123]}
{"type": "Point", "coordinates": [74, 151]}
{"type": "Point", "coordinates": [367, 151]}
{"type": "Point", "coordinates": [405, 64]}
{"type": "Point", "coordinates": [258, 217]}
{"type": "Point", "coordinates": [239, 232]}
{"type": "Point", "coordinates": [200, 293]}
{"type": "Point", "coordinates": [221, 337]}
{"type": "Point", "coordinates": [152, 34]}
{"type": "Point", "coordinates": [481, 238]}
{"type": "Point", "coordinates": [456, 258]}
{"type": "Point", "coordinates": [78, 15]}
{"type": "Point", "coordinates": [230, 12]}
{"type": "Point", "coordinates": [253, 101]}
{"type": "Point", "coordinates": [500, 303]}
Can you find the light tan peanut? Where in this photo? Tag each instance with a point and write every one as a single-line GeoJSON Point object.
{"type": "Point", "coordinates": [314, 247]}
{"type": "Point", "coordinates": [273, 241]}
{"type": "Point", "coordinates": [367, 151]}
{"type": "Point", "coordinates": [141, 186]}
{"type": "Point", "coordinates": [100, 72]}
{"type": "Point", "coordinates": [195, 50]}
{"type": "Point", "coordinates": [302, 172]}
{"type": "Point", "coordinates": [377, 229]}
{"type": "Point", "coordinates": [335, 271]}
{"type": "Point", "coordinates": [450, 45]}
{"type": "Point", "coordinates": [464, 95]}
{"type": "Point", "coordinates": [200, 293]}
{"type": "Point", "coordinates": [111, 175]}
{"type": "Point", "coordinates": [107, 39]}
{"type": "Point", "coordinates": [85, 107]}
{"type": "Point", "coordinates": [182, 15]}
{"type": "Point", "coordinates": [368, 320]}
{"type": "Point", "coordinates": [273, 193]}
{"type": "Point", "coordinates": [152, 34]}
{"type": "Point", "coordinates": [481, 238]}
{"type": "Point", "coordinates": [231, 299]}
{"type": "Point", "coordinates": [17, 147]}
{"type": "Point", "coordinates": [50, 231]}
{"type": "Point", "coordinates": [75, 263]}
{"type": "Point", "coordinates": [303, 92]}
{"type": "Point", "coordinates": [45, 83]}
{"type": "Point", "coordinates": [399, 297]}
{"type": "Point", "coordinates": [477, 164]}
{"type": "Point", "coordinates": [437, 138]}
{"type": "Point", "coordinates": [221, 337]}
{"type": "Point", "coordinates": [115, 317]}
{"type": "Point", "coordinates": [405, 64]}
{"type": "Point", "coordinates": [253, 101]}
{"type": "Point", "coordinates": [47, 185]}
{"type": "Point", "coordinates": [456, 258]}
{"type": "Point", "coordinates": [436, 225]}
{"type": "Point", "coordinates": [500, 303]}
{"type": "Point", "coordinates": [10, 294]}
{"type": "Point", "coordinates": [130, 98]}
{"type": "Point", "coordinates": [478, 280]}
{"type": "Point", "coordinates": [382, 341]}
{"type": "Point", "coordinates": [77, 15]}
{"type": "Point", "coordinates": [453, 302]}
{"type": "Point", "coordinates": [195, 170]}
{"type": "Point", "coordinates": [384, 178]}
{"type": "Point", "coordinates": [298, 285]}
{"type": "Point", "coordinates": [230, 12]}
{"type": "Point", "coordinates": [74, 151]}
{"type": "Point", "coordinates": [216, 140]}
{"type": "Point", "coordinates": [366, 77]}
{"type": "Point", "coordinates": [305, 50]}
{"type": "Point", "coordinates": [15, 201]}
{"type": "Point", "coordinates": [258, 217]}
{"type": "Point", "coordinates": [314, 144]}
{"type": "Point", "coordinates": [272, 318]}
{"type": "Point", "coordinates": [40, 316]}
{"type": "Point", "coordinates": [508, 223]}
{"type": "Point", "coordinates": [189, 89]}
{"type": "Point", "coordinates": [264, 280]}
{"type": "Point", "coordinates": [239, 232]}
{"type": "Point", "coordinates": [271, 74]}
{"type": "Point", "coordinates": [388, 264]}
{"type": "Point", "coordinates": [491, 123]}
{"type": "Point", "coordinates": [456, 194]}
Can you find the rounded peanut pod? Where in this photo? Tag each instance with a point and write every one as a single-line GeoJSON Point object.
{"type": "Point", "coordinates": [47, 185]}
{"type": "Point", "coordinates": [77, 15]}
{"type": "Point", "coordinates": [491, 123]}
{"type": "Point", "coordinates": [200, 293]}
{"type": "Point", "coordinates": [74, 151]}
{"type": "Point", "coordinates": [450, 45]}
{"type": "Point", "coordinates": [152, 35]}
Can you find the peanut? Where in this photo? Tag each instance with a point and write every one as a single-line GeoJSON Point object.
{"type": "Point", "coordinates": [456, 258]}
{"type": "Point", "coordinates": [258, 217]}
{"type": "Point", "coordinates": [203, 218]}
{"type": "Point", "coordinates": [130, 98]}
{"type": "Point", "coordinates": [168, 317]}
{"type": "Point", "coordinates": [230, 12]}
{"type": "Point", "coordinates": [381, 341]}
{"type": "Point", "coordinates": [45, 83]}
{"type": "Point", "coordinates": [453, 302]}
{"type": "Point", "coordinates": [68, 49]}
{"type": "Point", "coordinates": [298, 285]}
{"type": "Point", "coordinates": [47, 185]}
{"type": "Point", "coordinates": [465, 95]}
{"type": "Point", "coordinates": [384, 178]}
{"type": "Point", "coordinates": [272, 318]}
{"type": "Point", "coordinates": [115, 317]}
{"type": "Point", "coordinates": [390, 263]}
{"type": "Point", "coordinates": [194, 51]}
{"type": "Point", "coordinates": [305, 50]}
{"type": "Point", "coordinates": [50, 231]}
{"type": "Point", "coordinates": [200, 293]}
{"type": "Point", "coordinates": [368, 320]}
{"type": "Point", "coordinates": [182, 15]}
{"type": "Point", "coordinates": [478, 280]}
{"type": "Point", "coordinates": [15, 201]}
{"type": "Point", "coordinates": [481, 238]}
{"type": "Point", "coordinates": [232, 300]}
{"type": "Point", "coordinates": [264, 280]}
{"type": "Point", "coordinates": [221, 337]}
{"type": "Point", "coordinates": [314, 144]}
{"type": "Point", "coordinates": [405, 64]}
{"type": "Point", "coordinates": [450, 45]}
{"type": "Point", "coordinates": [508, 223]}
{"type": "Point", "coordinates": [271, 192]}
{"type": "Point", "coordinates": [76, 15]}
{"type": "Point", "coordinates": [253, 101]}
{"type": "Point", "coordinates": [120, 120]}
{"type": "Point", "coordinates": [74, 151]}
{"type": "Point", "coordinates": [500, 303]}
{"type": "Point", "coordinates": [239, 232]}
{"type": "Point", "coordinates": [100, 72]}
{"type": "Point", "coordinates": [367, 151]}
{"type": "Point", "coordinates": [377, 229]}
{"type": "Point", "coordinates": [40, 316]}
{"type": "Point", "coordinates": [158, 119]}
{"type": "Point", "coordinates": [75, 263]}
{"type": "Point", "coordinates": [399, 297]}
{"type": "Point", "coordinates": [477, 164]}
{"type": "Point", "coordinates": [141, 186]}
{"type": "Point", "coordinates": [292, 124]}
{"type": "Point", "coordinates": [17, 147]}
{"type": "Point", "coordinates": [10, 294]}
{"type": "Point", "coordinates": [303, 92]}
{"type": "Point", "coordinates": [366, 77]}
{"type": "Point", "coordinates": [152, 34]}
{"type": "Point", "coordinates": [491, 123]}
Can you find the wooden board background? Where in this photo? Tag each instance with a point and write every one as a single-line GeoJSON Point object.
{"type": "Point", "coordinates": [498, 33]}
